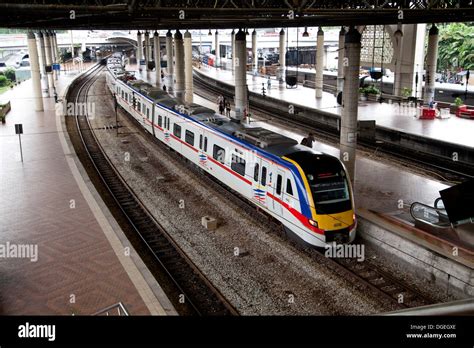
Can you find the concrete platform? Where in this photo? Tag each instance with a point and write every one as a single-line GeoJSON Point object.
{"type": "Point", "coordinates": [77, 264]}
{"type": "Point", "coordinates": [453, 130]}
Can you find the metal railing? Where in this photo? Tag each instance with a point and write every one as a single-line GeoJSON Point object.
{"type": "Point", "coordinates": [460, 307]}
{"type": "Point", "coordinates": [117, 309]}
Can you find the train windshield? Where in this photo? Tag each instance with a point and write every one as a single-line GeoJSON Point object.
{"type": "Point", "coordinates": [327, 180]}
{"type": "Point", "coordinates": [330, 191]}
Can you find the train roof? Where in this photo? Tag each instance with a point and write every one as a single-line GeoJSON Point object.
{"type": "Point", "coordinates": [272, 142]}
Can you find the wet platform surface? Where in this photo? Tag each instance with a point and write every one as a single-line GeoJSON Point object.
{"type": "Point", "coordinates": [453, 130]}
{"type": "Point", "coordinates": [79, 266]}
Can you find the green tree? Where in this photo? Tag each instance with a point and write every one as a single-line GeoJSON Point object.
{"type": "Point", "coordinates": [4, 81]}
{"type": "Point", "coordinates": [456, 46]}
{"type": "Point", "coordinates": [10, 74]}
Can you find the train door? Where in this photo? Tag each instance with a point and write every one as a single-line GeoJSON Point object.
{"type": "Point", "coordinates": [153, 121]}
{"type": "Point", "coordinates": [260, 181]}
{"type": "Point", "coordinates": [278, 191]}
{"type": "Point", "coordinates": [202, 154]}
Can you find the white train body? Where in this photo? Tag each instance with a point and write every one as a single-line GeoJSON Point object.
{"type": "Point", "coordinates": [271, 181]}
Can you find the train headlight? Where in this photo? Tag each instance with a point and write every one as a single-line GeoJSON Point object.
{"type": "Point", "coordinates": [313, 223]}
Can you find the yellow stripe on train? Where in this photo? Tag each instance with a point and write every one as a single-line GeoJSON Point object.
{"type": "Point", "coordinates": [337, 221]}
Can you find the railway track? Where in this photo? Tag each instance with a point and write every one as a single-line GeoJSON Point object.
{"type": "Point", "coordinates": [372, 277]}
{"type": "Point", "coordinates": [364, 275]}
{"type": "Point", "coordinates": [426, 165]}
{"type": "Point", "coordinates": [193, 290]}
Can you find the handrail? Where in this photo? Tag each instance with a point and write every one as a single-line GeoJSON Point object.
{"type": "Point", "coordinates": [414, 216]}
{"type": "Point", "coordinates": [120, 309]}
{"type": "Point", "coordinates": [460, 307]}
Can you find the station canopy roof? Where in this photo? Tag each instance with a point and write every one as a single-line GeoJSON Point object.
{"type": "Point", "coordinates": [204, 14]}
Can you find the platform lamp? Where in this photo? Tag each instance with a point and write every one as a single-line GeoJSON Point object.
{"type": "Point", "coordinates": [305, 34]}
{"type": "Point", "coordinates": [209, 33]}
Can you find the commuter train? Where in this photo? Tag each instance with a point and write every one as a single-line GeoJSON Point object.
{"type": "Point", "coordinates": [309, 192]}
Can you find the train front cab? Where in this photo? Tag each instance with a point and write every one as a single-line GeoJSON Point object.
{"type": "Point", "coordinates": [329, 196]}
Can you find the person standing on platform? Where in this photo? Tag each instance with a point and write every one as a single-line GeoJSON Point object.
{"type": "Point", "coordinates": [308, 141]}
{"type": "Point", "coordinates": [227, 108]}
{"type": "Point", "coordinates": [221, 106]}
{"type": "Point", "coordinates": [219, 99]}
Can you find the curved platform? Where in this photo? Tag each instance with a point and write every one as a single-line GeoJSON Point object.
{"type": "Point", "coordinates": [74, 259]}
{"type": "Point", "coordinates": [454, 130]}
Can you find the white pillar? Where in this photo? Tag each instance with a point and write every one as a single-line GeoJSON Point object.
{"type": "Point", "coordinates": [41, 53]}
{"type": "Point", "coordinates": [72, 46]}
{"type": "Point", "coordinates": [254, 51]}
{"type": "Point", "coordinates": [188, 67]}
{"type": "Point", "coordinates": [150, 48]}
{"type": "Point", "coordinates": [56, 48]}
{"type": "Point", "coordinates": [319, 64]}
{"type": "Point", "coordinates": [169, 59]}
{"type": "Point", "coordinates": [47, 49]}
{"type": "Point", "coordinates": [232, 48]}
{"type": "Point", "coordinates": [418, 62]}
{"type": "Point", "coordinates": [156, 49]}
{"type": "Point", "coordinates": [240, 99]}
{"type": "Point", "coordinates": [282, 53]}
{"type": "Point", "coordinates": [139, 49]}
{"type": "Point", "coordinates": [398, 52]}
{"type": "Point", "coordinates": [431, 58]}
{"type": "Point", "coordinates": [218, 53]}
{"type": "Point", "coordinates": [348, 139]}
{"type": "Point", "coordinates": [179, 61]}
{"type": "Point", "coordinates": [147, 48]}
{"type": "Point", "coordinates": [340, 61]}
{"type": "Point", "coordinates": [53, 53]}
{"type": "Point", "coordinates": [35, 71]}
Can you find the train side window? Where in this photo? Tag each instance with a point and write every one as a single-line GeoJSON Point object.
{"type": "Point", "coordinates": [255, 172]}
{"type": "Point", "coordinates": [278, 188]}
{"type": "Point", "coordinates": [160, 120]}
{"type": "Point", "coordinates": [218, 154]}
{"type": "Point", "coordinates": [263, 179]}
{"type": "Point", "coordinates": [238, 165]}
{"type": "Point", "coordinates": [147, 113]}
{"type": "Point", "coordinates": [139, 106]}
{"type": "Point", "coordinates": [177, 130]}
{"type": "Point", "coordinates": [289, 188]}
{"type": "Point", "coordinates": [168, 125]}
{"type": "Point", "coordinates": [189, 137]}
{"type": "Point", "coordinates": [205, 144]}
{"type": "Point", "coordinates": [200, 141]}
